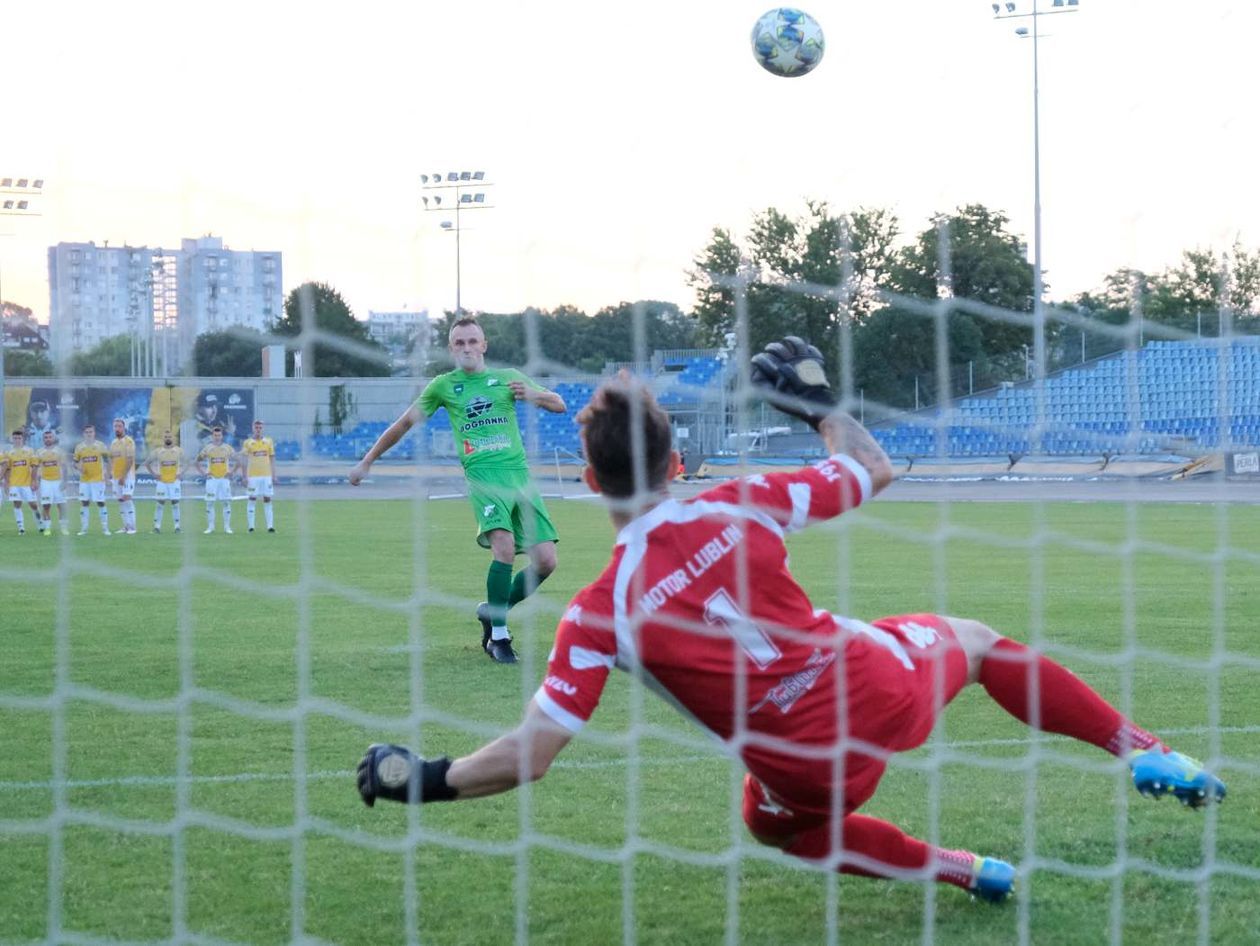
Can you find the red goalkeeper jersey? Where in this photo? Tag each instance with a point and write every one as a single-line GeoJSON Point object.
{"type": "Point", "coordinates": [698, 601]}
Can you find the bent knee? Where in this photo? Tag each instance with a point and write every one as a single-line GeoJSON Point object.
{"type": "Point", "coordinates": [976, 639]}
{"type": "Point", "coordinates": [544, 559]}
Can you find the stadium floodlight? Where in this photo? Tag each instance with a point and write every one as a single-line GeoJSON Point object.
{"type": "Point", "coordinates": [457, 181]}
{"type": "Point", "coordinates": [1039, 312]}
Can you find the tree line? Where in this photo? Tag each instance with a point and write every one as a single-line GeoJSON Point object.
{"type": "Point", "coordinates": [823, 274]}
{"type": "Point", "coordinates": [834, 278]}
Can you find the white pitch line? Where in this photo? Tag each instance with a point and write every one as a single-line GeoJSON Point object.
{"type": "Point", "coordinates": [150, 781]}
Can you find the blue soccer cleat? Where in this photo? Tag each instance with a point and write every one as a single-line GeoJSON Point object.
{"type": "Point", "coordinates": [1157, 773]}
{"type": "Point", "coordinates": [992, 880]}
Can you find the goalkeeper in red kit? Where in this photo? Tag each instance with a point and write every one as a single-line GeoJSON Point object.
{"type": "Point", "coordinates": [812, 702]}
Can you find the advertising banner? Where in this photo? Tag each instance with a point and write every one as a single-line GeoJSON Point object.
{"type": "Point", "coordinates": [191, 413]}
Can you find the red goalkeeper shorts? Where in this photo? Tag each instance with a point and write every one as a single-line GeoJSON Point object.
{"type": "Point", "coordinates": [897, 682]}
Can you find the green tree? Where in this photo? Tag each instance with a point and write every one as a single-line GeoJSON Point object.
{"type": "Point", "coordinates": [609, 334]}
{"type": "Point", "coordinates": [714, 310]}
{"type": "Point", "coordinates": [27, 364]}
{"type": "Point", "coordinates": [1190, 296]}
{"type": "Point", "coordinates": [805, 276]}
{"type": "Point", "coordinates": [1204, 285]}
{"type": "Point", "coordinates": [895, 351]}
{"type": "Point", "coordinates": [331, 316]}
{"type": "Point", "coordinates": [110, 358]}
{"type": "Point", "coordinates": [233, 354]}
{"type": "Point", "coordinates": [986, 263]}
{"type": "Point", "coordinates": [894, 357]}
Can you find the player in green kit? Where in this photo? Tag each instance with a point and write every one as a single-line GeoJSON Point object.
{"type": "Point", "coordinates": [511, 516]}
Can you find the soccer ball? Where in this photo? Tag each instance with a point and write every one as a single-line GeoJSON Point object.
{"type": "Point", "coordinates": [787, 42]}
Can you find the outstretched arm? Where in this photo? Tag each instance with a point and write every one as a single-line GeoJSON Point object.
{"type": "Point", "coordinates": [526, 753]}
{"type": "Point", "coordinates": [522, 755]}
{"type": "Point", "coordinates": [390, 436]}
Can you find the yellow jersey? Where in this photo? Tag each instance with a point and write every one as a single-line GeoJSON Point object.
{"type": "Point", "coordinates": [50, 460]}
{"type": "Point", "coordinates": [21, 461]}
{"type": "Point", "coordinates": [90, 456]}
{"type": "Point", "coordinates": [260, 451]}
{"type": "Point", "coordinates": [122, 454]}
{"type": "Point", "coordinates": [168, 460]}
{"type": "Point", "coordinates": [219, 459]}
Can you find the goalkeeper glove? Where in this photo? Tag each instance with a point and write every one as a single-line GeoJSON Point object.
{"type": "Point", "coordinates": [790, 374]}
{"type": "Point", "coordinates": [396, 773]}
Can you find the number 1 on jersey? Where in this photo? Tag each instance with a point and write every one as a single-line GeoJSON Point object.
{"type": "Point", "coordinates": [721, 610]}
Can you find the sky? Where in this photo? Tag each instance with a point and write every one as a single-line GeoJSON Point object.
{"type": "Point", "coordinates": [616, 136]}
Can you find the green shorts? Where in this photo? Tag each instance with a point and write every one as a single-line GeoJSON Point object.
{"type": "Point", "coordinates": [512, 502]}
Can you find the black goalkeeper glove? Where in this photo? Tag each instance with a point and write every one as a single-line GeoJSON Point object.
{"type": "Point", "coordinates": [790, 374]}
{"type": "Point", "coordinates": [396, 773]}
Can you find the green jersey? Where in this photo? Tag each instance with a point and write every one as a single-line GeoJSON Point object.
{"type": "Point", "coordinates": [482, 412]}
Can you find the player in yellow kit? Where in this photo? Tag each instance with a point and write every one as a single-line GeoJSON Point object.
{"type": "Point", "coordinates": [259, 454]}
{"type": "Point", "coordinates": [19, 479]}
{"type": "Point", "coordinates": [90, 457]}
{"type": "Point", "coordinates": [169, 459]}
{"type": "Point", "coordinates": [215, 463]}
{"type": "Point", "coordinates": [51, 470]}
{"type": "Point", "coordinates": [122, 469]}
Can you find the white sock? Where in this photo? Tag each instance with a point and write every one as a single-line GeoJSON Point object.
{"type": "Point", "coordinates": [17, 514]}
{"type": "Point", "coordinates": [104, 514]}
{"type": "Point", "coordinates": [157, 515]}
{"type": "Point", "coordinates": [175, 514]}
{"type": "Point", "coordinates": [249, 513]}
{"type": "Point", "coordinates": [269, 515]}
{"type": "Point", "coordinates": [129, 515]}
{"type": "Point", "coordinates": [210, 514]}
{"type": "Point", "coordinates": [227, 515]}
{"type": "Point", "coordinates": [83, 518]}
{"type": "Point", "coordinates": [499, 633]}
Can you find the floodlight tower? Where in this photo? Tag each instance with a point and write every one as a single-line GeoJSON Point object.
{"type": "Point", "coordinates": [468, 195]}
{"type": "Point", "coordinates": [19, 197]}
{"type": "Point", "coordinates": [1009, 11]}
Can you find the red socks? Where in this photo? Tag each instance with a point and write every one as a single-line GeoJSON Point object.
{"type": "Point", "coordinates": [887, 844]}
{"type": "Point", "coordinates": [1065, 704]}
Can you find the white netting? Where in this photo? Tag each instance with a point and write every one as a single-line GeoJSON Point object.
{"type": "Point", "coordinates": [186, 775]}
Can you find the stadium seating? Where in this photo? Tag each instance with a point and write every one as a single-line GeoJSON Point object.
{"type": "Point", "coordinates": [683, 381]}
{"type": "Point", "coordinates": [1168, 397]}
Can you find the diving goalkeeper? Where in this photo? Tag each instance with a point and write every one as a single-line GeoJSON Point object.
{"type": "Point", "coordinates": [813, 703]}
{"type": "Point", "coordinates": [511, 515]}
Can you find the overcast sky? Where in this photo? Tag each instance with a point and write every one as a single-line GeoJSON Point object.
{"type": "Point", "coordinates": [616, 140]}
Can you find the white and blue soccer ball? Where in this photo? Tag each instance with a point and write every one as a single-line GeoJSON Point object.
{"type": "Point", "coordinates": [787, 42]}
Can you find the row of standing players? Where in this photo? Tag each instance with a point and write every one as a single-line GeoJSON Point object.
{"type": "Point", "coordinates": [37, 478]}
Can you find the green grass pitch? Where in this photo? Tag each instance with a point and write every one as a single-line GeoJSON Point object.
{"type": "Point", "coordinates": [192, 653]}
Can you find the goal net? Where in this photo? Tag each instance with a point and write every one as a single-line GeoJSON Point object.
{"type": "Point", "coordinates": [183, 702]}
